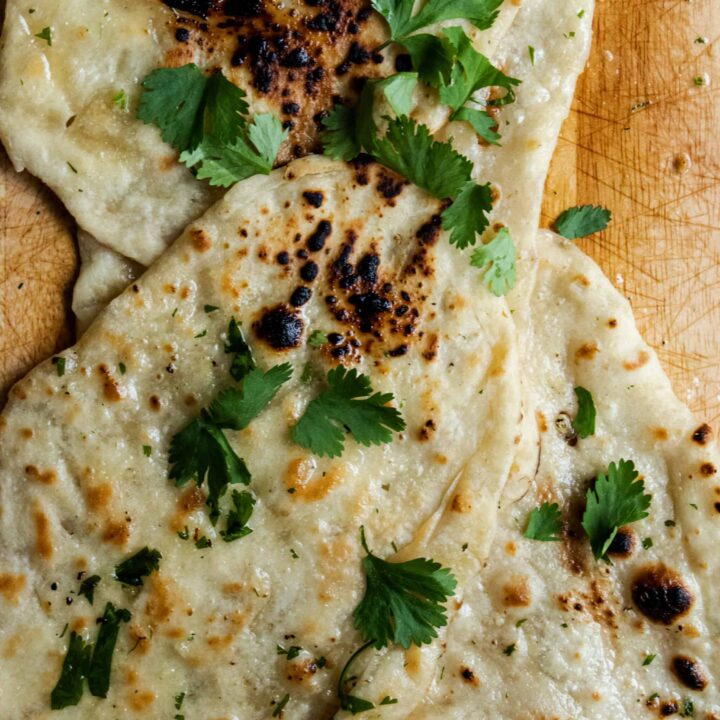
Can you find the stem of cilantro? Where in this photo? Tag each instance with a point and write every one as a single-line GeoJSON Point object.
{"type": "Point", "coordinates": [342, 681]}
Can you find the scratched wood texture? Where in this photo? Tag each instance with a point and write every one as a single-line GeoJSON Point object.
{"type": "Point", "coordinates": [643, 139]}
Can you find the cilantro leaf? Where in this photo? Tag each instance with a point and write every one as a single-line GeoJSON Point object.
{"type": "Point", "coordinates": [201, 450]}
{"type": "Point", "coordinates": [235, 408]}
{"type": "Point", "coordinates": [132, 570]}
{"type": "Point", "coordinates": [403, 601]}
{"type": "Point", "coordinates": [616, 499]}
{"type": "Point", "coordinates": [497, 258]}
{"type": "Point", "coordinates": [99, 671]}
{"type": "Point", "coordinates": [253, 151]}
{"type": "Point", "coordinates": [398, 90]}
{"type": "Point", "coordinates": [243, 361]}
{"type": "Point", "coordinates": [467, 216]}
{"type": "Point", "coordinates": [238, 516]}
{"type": "Point", "coordinates": [583, 220]}
{"type": "Point", "coordinates": [584, 422]}
{"type": "Point", "coordinates": [340, 135]}
{"type": "Point", "coordinates": [398, 13]}
{"type": "Point", "coordinates": [69, 688]}
{"type": "Point", "coordinates": [346, 404]}
{"type": "Point", "coordinates": [481, 121]}
{"type": "Point", "coordinates": [87, 587]}
{"type": "Point", "coordinates": [471, 71]}
{"type": "Point", "coordinates": [544, 523]}
{"type": "Point", "coordinates": [172, 99]}
{"type": "Point", "coordinates": [410, 150]}
{"type": "Point", "coordinates": [432, 57]}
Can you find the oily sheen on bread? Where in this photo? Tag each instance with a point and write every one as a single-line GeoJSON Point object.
{"type": "Point", "coordinates": [546, 630]}
{"type": "Point", "coordinates": [84, 472]}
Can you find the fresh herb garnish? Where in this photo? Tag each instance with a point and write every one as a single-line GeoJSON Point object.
{"type": "Point", "coordinates": [317, 339]}
{"type": "Point", "coordinates": [584, 422]}
{"type": "Point", "coordinates": [544, 523]}
{"type": "Point", "coordinates": [46, 35]}
{"type": "Point", "coordinates": [87, 587]}
{"type": "Point", "coordinates": [509, 650]}
{"type": "Point", "coordinates": [69, 687]}
{"type": "Point", "coordinates": [59, 362]}
{"type": "Point", "coordinates": [647, 543]}
{"type": "Point", "coordinates": [471, 71]}
{"type": "Point", "coordinates": [203, 542]}
{"type": "Point", "coordinates": [648, 659]}
{"type": "Point", "coordinates": [203, 117]}
{"type": "Point", "coordinates": [200, 450]}
{"type": "Point", "coordinates": [583, 220]}
{"type": "Point", "coordinates": [387, 700]}
{"type": "Point", "coordinates": [403, 604]}
{"type": "Point", "coordinates": [137, 566]}
{"type": "Point", "coordinates": [687, 709]}
{"type": "Point", "coordinates": [242, 362]}
{"type": "Point", "coordinates": [346, 405]}
{"type": "Point", "coordinates": [147, 450]}
{"type": "Point", "coordinates": [403, 601]}
{"type": "Point", "coordinates": [616, 499]}
{"type": "Point", "coordinates": [121, 100]}
{"type": "Point", "coordinates": [99, 672]}
{"type": "Point", "coordinates": [179, 699]}
{"type": "Point", "coordinates": [210, 308]}
{"type": "Point", "coordinates": [238, 516]}
{"type": "Point", "coordinates": [399, 17]}
{"type": "Point", "coordinates": [235, 407]}
{"type": "Point", "coordinates": [277, 712]}
{"type": "Point", "coordinates": [497, 260]}
{"type": "Point", "coordinates": [291, 653]}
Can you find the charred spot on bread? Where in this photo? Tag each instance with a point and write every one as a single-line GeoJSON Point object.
{"type": "Point", "coordinates": [623, 544]}
{"type": "Point", "coordinates": [661, 594]}
{"type": "Point", "coordinates": [280, 327]}
{"type": "Point", "coordinates": [702, 435]}
{"type": "Point", "coordinates": [689, 672]}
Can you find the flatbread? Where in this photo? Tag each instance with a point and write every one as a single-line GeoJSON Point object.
{"type": "Point", "coordinates": [80, 492]}
{"type": "Point", "coordinates": [530, 127]}
{"type": "Point", "coordinates": [579, 632]}
{"type": "Point", "coordinates": [122, 184]}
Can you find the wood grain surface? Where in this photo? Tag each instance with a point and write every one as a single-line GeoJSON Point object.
{"type": "Point", "coordinates": [643, 139]}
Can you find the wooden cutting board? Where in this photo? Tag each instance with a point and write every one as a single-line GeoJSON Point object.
{"type": "Point", "coordinates": [643, 139]}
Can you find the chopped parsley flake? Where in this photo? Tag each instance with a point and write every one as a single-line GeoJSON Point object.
{"type": "Point", "coordinates": [101, 663]}
{"type": "Point", "coordinates": [69, 688]}
{"type": "Point", "coordinates": [584, 422]}
{"type": "Point", "coordinates": [147, 450]}
{"type": "Point", "coordinates": [132, 570]}
{"type": "Point", "coordinates": [121, 100]}
{"type": "Point", "coordinates": [277, 712]}
{"type": "Point", "coordinates": [648, 659]}
{"type": "Point", "coordinates": [46, 35]}
{"type": "Point", "coordinates": [87, 587]}
{"type": "Point", "coordinates": [647, 543]}
{"type": "Point", "coordinates": [59, 363]}
{"type": "Point", "coordinates": [317, 339]}
{"type": "Point", "coordinates": [509, 650]}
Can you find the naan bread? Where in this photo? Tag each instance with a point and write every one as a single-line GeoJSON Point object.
{"type": "Point", "coordinates": [79, 493]}
{"type": "Point", "coordinates": [581, 629]}
{"type": "Point", "coordinates": [529, 126]}
{"type": "Point", "coordinates": [124, 185]}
